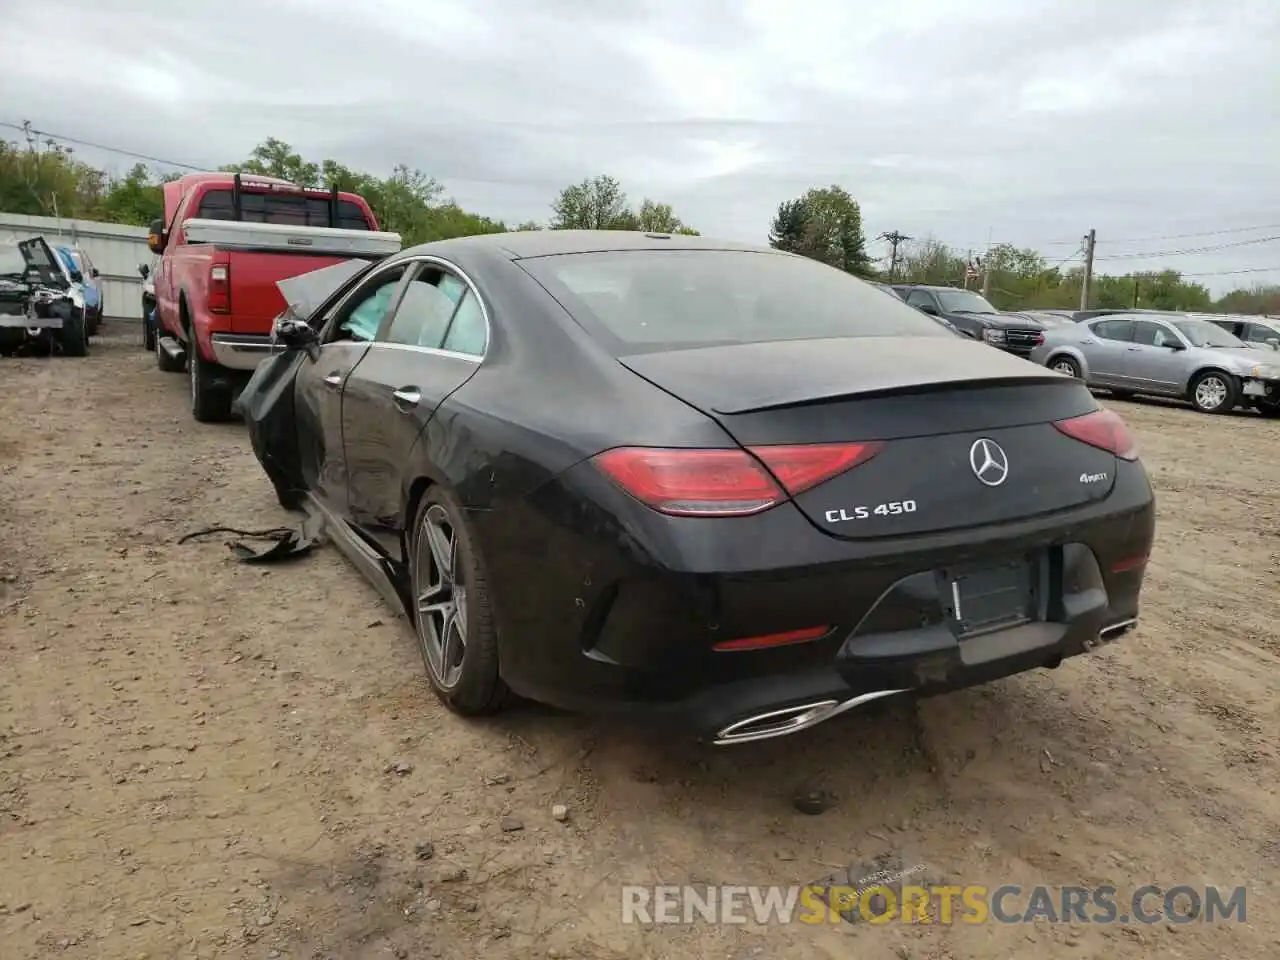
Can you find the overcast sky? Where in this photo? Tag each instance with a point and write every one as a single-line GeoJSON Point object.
{"type": "Point", "coordinates": [984, 119]}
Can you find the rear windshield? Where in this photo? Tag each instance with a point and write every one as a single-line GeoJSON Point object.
{"type": "Point", "coordinates": [288, 209]}
{"type": "Point", "coordinates": [647, 300]}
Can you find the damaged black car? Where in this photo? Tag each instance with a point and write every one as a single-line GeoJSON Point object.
{"type": "Point", "coordinates": [39, 306]}
{"type": "Point", "coordinates": [701, 484]}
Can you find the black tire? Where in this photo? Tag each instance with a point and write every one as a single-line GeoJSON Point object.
{"type": "Point", "coordinates": [165, 362]}
{"type": "Point", "coordinates": [1209, 385]}
{"type": "Point", "coordinates": [1065, 365]}
{"type": "Point", "coordinates": [477, 687]}
{"type": "Point", "coordinates": [210, 402]}
{"type": "Point", "coordinates": [1270, 410]}
{"type": "Point", "coordinates": [74, 335]}
{"type": "Point", "coordinates": [93, 322]}
{"type": "Point", "coordinates": [148, 334]}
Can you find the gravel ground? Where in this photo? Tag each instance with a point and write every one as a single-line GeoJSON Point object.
{"type": "Point", "coordinates": [200, 758]}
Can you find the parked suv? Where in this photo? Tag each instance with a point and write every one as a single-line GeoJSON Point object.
{"type": "Point", "coordinates": [974, 316]}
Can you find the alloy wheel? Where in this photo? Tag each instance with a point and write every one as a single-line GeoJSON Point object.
{"type": "Point", "coordinates": [1211, 392]}
{"type": "Point", "coordinates": [440, 597]}
{"type": "Point", "coordinates": [1065, 366]}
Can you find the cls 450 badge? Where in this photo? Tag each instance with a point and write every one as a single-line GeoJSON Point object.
{"type": "Point", "coordinates": [891, 509]}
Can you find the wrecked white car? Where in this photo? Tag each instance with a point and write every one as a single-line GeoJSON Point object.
{"type": "Point", "coordinates": [39, 305]}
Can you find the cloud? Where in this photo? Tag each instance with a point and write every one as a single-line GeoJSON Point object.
{"type": "Point", "coordinates": [1028, 123]}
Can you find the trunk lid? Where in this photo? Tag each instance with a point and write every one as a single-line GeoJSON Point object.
{"type": "Point", "coordinates": [944, 411]}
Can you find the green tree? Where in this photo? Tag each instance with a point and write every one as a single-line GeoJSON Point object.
{"type": "Point", "coordinates": [1261, 298]}
{"type": "Point", "coordinates": [136, 198]}
{"type": "Point", "coordinates": [46, 180]}
{"type": "Point", "coordinates": [824, 224]}
{"type": "Point", "coordinates": [595, 204]}
{"type": "Point", "coordinates": [275, 158]}
{"type": "Point", "coordinates": [601, 204]}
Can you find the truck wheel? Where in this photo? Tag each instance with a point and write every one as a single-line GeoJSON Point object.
{"type": "Point", "coordinates": [148, 330]}
{"type": "Point", "coordinates": [74, 335]}
{"type": "Point", "coordinates": [210, 402]}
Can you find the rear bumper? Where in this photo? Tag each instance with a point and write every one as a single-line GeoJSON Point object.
{"type": "Point", "coordinates": [592, 619]}
{"type": "Point", "coordinates": [239, 351]}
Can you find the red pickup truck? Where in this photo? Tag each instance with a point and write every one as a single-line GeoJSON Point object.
{"type": "Point", "coordinates": [223, 243]}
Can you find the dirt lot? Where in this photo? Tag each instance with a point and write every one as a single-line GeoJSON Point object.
{"type": "Point", "coordinates": [204, 759]}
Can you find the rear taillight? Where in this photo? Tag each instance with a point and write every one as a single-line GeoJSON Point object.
{"type": "Point", "coordinates": [726, 483]}
{"type": "Point", "coordinates": [692, 483]}
{"type": "Point", "coordinates": [1102, 429]}
{"type": "Point", "coordinates": [802, 467]}
{"type": "Point", "coordinates": [219, 296]}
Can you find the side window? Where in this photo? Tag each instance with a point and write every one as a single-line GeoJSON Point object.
{"type": "Point", "coordinates": [468, 333]}
{"type": "Point", "coordinates": [422, 318]}
{"type": "Point", "coordinates": [1152, 334]}
{"type": "Point", "coordinates": [1145, 333]}
{"type": "Point", "coordinates": [921, 298]}
{"type": "Point", "coordinates": [363, 313]}
{"type": "Point", "coordinates": [1257, 333]}
{"type": "Point", "coordinates": [1113, 329]}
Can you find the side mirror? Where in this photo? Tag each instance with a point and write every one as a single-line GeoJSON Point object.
{"type": "Point", "coordinates": [144, 270]}
{"type": "Point", "coordinates": [928, 308]}
{"type": "Point", "coordinates": [1174, 345]}
{"type": "Point", "coordinates": [155, 236]}
{"type": "Point", "coordinates": [293, 334]}
{"type": "Point", "coordinates": [95, 273]}
{"type": "Point", "coordinates": [1273, 343]}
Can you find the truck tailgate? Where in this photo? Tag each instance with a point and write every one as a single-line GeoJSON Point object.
{"type": "Point", "coordinates": [255, 299]}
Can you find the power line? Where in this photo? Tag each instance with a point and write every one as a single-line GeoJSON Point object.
{"type": "Point", "coordinates": [1204, 233]}
{"type": "Point", "coordinates": [26, 128]}
{"type": "Point", "coordinates": [1226, 273]}
{"type": "Point", "coordinates": [1189, 251]}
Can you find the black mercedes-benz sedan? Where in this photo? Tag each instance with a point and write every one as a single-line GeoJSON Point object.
{"type": "Point", "coordinates": [705, 484]}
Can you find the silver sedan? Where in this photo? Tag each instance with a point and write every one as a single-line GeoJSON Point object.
{"type": "Point", "coordinates": [1182, 356]}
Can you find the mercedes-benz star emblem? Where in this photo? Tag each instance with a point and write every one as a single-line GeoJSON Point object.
{"type": "Point", "coordinates": [989, 462]}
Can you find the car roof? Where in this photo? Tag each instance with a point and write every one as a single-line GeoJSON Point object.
{"type": "Point", "coordinates": [545, 243]}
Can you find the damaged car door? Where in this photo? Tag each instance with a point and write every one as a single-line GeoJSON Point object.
{"type": "Point", "coordinates": [346, 335]}
{"type": "Point", "coordinates": [428, 347]}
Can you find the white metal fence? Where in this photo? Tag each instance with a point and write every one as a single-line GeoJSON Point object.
{"type": "Point", "coordinates": [114, 248]}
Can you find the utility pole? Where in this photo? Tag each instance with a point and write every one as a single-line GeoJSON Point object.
{"type": "Point", "coordinates": [1089, 242]}
{"type": "Point", "coordinates": [968, 266]}
{"type": "Point", "coordinates": [983, 265]}
{"type": "Point", "coordinates": [894, 238]}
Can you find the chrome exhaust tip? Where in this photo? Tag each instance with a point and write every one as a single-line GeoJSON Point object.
{"type": "Point", "coordinates": [788, 720]}
{"type": "Point", "coordinates": [1109, 634]}
{"type": "Point", "coordinates": [1118, 629]}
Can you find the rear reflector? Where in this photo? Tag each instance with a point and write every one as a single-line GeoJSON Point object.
{"type": "Point", "coordinates": [692, 483]}
{"type": "Point", "coordinates": [773, 639]}
{"type": "Point", "coordinates": [802, 467]}
{"type": "Point", "coordinates": [1102, 429]}
{"type": "Point", "coordinates": [1136, 562]}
